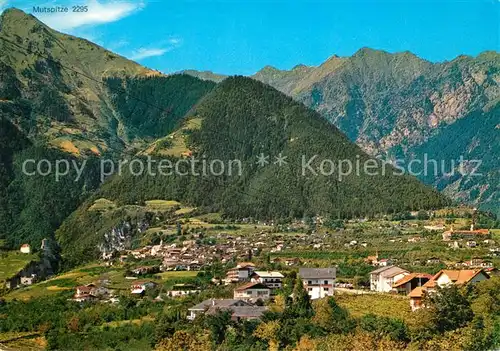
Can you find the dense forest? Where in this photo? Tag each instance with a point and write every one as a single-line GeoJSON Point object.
{"type": "Point", "coordinates": [33, 207]}
{"type": "Point", "coordinates": [152, 106]}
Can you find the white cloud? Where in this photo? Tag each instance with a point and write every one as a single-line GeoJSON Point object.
{"type": "Point", "coordinates": [160, 49]}
{"type": "Point", "coordinates": [143, 53]}
{"type": "Point", "coordinates": [98, 13]}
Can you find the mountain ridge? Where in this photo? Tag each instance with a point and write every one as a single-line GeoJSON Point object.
{"type": "Point", "coordinates": [394, 104]}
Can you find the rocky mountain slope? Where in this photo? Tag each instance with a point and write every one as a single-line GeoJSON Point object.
{"type": "Point", "coordinates": [398, 104]}
{"type": "Point", "coordinates": [66, 99]}
{"type": "Point", "coordinates": [73, 98]}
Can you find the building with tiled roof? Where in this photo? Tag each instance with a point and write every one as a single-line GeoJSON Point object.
{"type": "Point", "coordinates": [252, 291]}
{"type": "Point", "coordinates": [382, 279]}
{"type": "Point", "coordinates": [318, 282]}
{"type": "Point", "coordinates": [271, 279]}
{"type": "Point", "coordinates": [214, 304]}
{"type": "Point", "coordinates": [411, 281]}
{"type": "Point", "coordinates": [443, 278]}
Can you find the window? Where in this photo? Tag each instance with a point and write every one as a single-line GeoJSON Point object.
{"type": "Point", "coordinates": [326, 282]}
{"type": "Point", "coordinates": [310, 289]}
{"type": "Point", "coordinates": [326, 289]}
{"type": "Point", "coordinates": [309, 282]}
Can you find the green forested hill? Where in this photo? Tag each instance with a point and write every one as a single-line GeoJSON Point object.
{"type": "Point", "coordinates": [239, 120]}
{"type": "Point", "coordinates": [85, 99]}
{"type": "Point", "coordinates": [243, 118]}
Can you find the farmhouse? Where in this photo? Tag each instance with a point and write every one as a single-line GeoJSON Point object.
{"type": "Point", "coordinates": [318, 282]}
{"type": "Point", "coordinates": [471, 234]}
{"type": "Point", "coordinates": [83, 293]}
{"type": "Point", "coordinates": [140, 287]}
{"type": "Point", "coordinates": [252, 292]}
{"type": "Point", "coordinates": [240, 273]}
{"type": "Point", "coordinates": [182, 290]}
{"type": "Point", "coordinates": [411, 281]}
{"type": "Point", "coordinates": [443, 278]}
{"type": "Point", "coordinates": [28, 279]}
{"type": "Point", "coordinates": [382, 279]}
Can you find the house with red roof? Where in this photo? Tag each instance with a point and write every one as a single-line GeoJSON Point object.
{"type": "Point", "coordinates": [444, 278]}
{"type": "Point", "coordinates": [252, 291]}
{"type": "Point", "coordinates": [411, 281]}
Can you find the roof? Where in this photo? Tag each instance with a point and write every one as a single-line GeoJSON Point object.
{"type": "Point", "coordinates": [462, 276]}
{"type": "Point", "coordinates": [83, 288]}
{"type": "Point", "coordinates": [389, 271]}
{"type": "Point", "coordinates": [380, 270]}
{"type": "Point", "coordinates": [221, 303]}
{"type": "Point", "coordinates": [317, 273]}
{"type": "Point", "coordinates": [255, 285]}
{"type": "Point", "coordinates": [410, 277]}
{"type": "Point", "coordinates": [393, 272]}
{"type": "Point", "coordinates": [141, 282]}
{"type": "Point", "coordinates": [267, 274]}
{"type": "Point", "coordinates": [241, 311]}
{"type": "Point", "coordinates": [245, 264]}
{"type": "Point", "coordinates": [417, 292]}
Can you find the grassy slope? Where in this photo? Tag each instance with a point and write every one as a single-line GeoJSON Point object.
{"type": "Point", "coordinates": [12, 263]}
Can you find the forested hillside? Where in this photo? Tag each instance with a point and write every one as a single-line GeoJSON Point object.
{"type": "Point", "coordinates": [476, 138]}
{"type": "Point", "coordinates": [240, 120]}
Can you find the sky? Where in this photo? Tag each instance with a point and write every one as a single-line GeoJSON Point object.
{"type": "Point", "coordinates": [242, 36]}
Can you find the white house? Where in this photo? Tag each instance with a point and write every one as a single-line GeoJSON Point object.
{"type": "Point", "coordinates": [271, 279]}
{"type": "Point", "coordinates": [318, 282]}
{"type": "Point", "coordinates": [240, 273]}
{"type": "Point", "coordinates": [26, 249]}
{"type": "Point", "coordinates": [182, 290]}
{"type": "Point", "coordinates": [382, 279]}
{"type": "Point", "coordinates": [252, 292]}
{"type": "Point", "coordinates": [140, 287]}
{"type": "Point", "coordinates": [29, 279]}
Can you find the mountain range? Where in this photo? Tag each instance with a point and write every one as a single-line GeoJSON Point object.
{"type": "Point", "coordinates": [402, 107]}
{"type": "Point", "coordinates": [62, 97]}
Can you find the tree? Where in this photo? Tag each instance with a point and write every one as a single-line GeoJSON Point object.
{"type": "Point", "coordinates": [331, 317]}
{"type": "Point", "coordinates": [450, 308]}
{"type": "Point", "coordinates": [422, 215]}
{"type": "Point", "coordinates": [183, 340]}
{"type": "Point", "coordinates": [217, 324]}
{"type": "Point", "coordinates": [301, 301]}
{"type": "Point", "coordinates": [269, 331]}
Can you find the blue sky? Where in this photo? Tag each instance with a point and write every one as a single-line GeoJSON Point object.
{"type": "Point", "coordinates": [240, 37]}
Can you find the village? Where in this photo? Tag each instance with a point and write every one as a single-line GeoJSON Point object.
{"type": "Point", "coordinates": [407, 258]}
